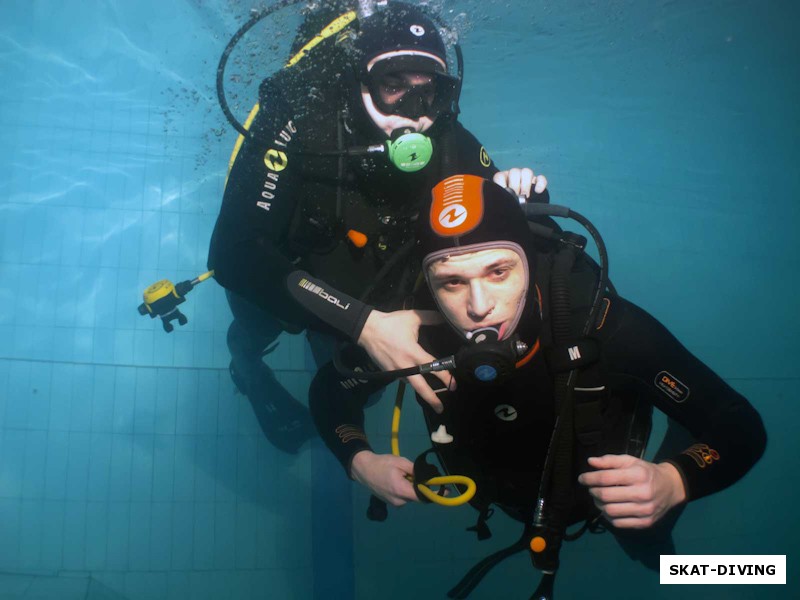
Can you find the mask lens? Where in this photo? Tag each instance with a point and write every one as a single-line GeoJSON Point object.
{"type": "Point", "coordinates": [411, 95]}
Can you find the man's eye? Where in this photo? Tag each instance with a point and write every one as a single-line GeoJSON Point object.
{"type": "Point", "coordinates": [499, 274]}
{"type": "Point", "coordinates": [451, 283]}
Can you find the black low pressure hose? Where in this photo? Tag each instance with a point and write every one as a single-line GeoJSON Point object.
{"type": "Point", "coordinates": [223, 61]}
{"type": "Point", "coordinates": [552, 506]}
{"type": "Point", "coordinates": [534, 210]}
{"type": "Point", "coordinates": [442, 364]}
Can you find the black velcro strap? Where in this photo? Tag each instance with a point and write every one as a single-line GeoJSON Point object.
{"type": "Point", "coordinates": [574, 354]}
{"type": "Point", "coordinates": [476, 574]}
{"type": "Point", "coordinates": [480, 527]}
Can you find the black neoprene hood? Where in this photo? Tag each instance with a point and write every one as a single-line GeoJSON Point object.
{"type": "Point", "coordinates": [466, 214]}
{"type": "Point", "coordinates": [464, 210]}
{"type": "Point", "coordinates": [398, 27]}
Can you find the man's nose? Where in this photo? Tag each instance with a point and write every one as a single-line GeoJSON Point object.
{"type": "Point", "coordinates": [480, 301]}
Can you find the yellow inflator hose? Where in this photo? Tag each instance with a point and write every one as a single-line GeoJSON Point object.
{"type": "Point", "coordinates": [436, 481]}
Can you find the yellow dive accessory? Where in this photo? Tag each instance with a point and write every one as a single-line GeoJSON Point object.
{"type": "Point", "coordinates": [163, 297]}
{"type": "Point", "coordinates": [330, 29]}
{"type": "Point", "coordinates": [424, 488]}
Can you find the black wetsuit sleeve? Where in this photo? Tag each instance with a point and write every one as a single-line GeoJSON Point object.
{"type": "Point", "coordinates": [336, 309]}
{"type": "Point", "coordinates": [729, 434]}
{"type": "Point", "coordinates": [337, 407]}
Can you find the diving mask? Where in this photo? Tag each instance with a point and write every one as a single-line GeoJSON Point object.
{"type": "Point", "coordinates": [411, 86]}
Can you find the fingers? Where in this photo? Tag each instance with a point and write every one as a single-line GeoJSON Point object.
{"type": "Point", "coordinates": [526, 179]}
{"type": "Point", "coordinates": [501, 178]}
{"type": "Point", "coordinates": [629, 515]}
{"type": "Point", "coordinates": [402, 490]}
{"type": "Point", "coordinates": [611, 477]}
{"type": "Point", "coordinates": [518, 180]}
{"type": "Point", "coordinates": [428, 317]}
{"type": "Point", "coordinates": [631, 523]}
{"type": "Point", "coordinates": [521, 181]}
{"type": "Point", "coordinates": [619, 510]}
{"type": "Point", "coordinates": [615, 470]}
{"type": "Point", "coordinates": [612, 461]}
{"type": "Point", "coordinates": [627, 490]}
{"type": "Point", "coordinates": [621, 494]}
{"type": "Point", "coordinates": [401, 463]}
{"type": "Point", "coordinates": [408, 491]}
{"type": "Point", "coordinates": [447, 379]}
{"type": "Point", "coordinates": [426, 392]}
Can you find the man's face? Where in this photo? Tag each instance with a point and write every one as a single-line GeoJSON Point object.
{"type": "Point", "coordinates": [479, 289]}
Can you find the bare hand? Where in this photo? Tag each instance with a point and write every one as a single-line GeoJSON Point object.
{"type": "Point", "coordinates": [386, 475]}
{"type": "Point", "coordinates": [633, 493]}
{"type": "Point", "coordinates": [521, 181]}
{"type": "Point", "coordinates": [391, 339]}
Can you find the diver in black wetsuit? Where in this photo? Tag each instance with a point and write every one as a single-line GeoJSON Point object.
{"type": "Point", "coordinates": [305, 196]}
{"type": "Point", "coordinates": [497, 284]}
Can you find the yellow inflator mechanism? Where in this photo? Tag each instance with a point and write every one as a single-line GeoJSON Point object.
{"type": "Point", "coordinates": [163, 297]}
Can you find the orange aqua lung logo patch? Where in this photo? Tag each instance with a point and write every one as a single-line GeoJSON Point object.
{"type": "Point", "coordinates": [457, 206]}
{"type": "Point", "coordinates": [702, 454]}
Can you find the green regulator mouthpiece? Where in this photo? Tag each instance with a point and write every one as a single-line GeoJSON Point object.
{"type": "Point", "coordinates": [410, 152]}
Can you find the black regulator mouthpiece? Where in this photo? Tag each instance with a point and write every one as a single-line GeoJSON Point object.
{"type": "Point", "coordinates": [487, 360]}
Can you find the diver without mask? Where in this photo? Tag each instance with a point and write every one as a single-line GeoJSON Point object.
{"type": "Point", "coordinates": [476, 263]}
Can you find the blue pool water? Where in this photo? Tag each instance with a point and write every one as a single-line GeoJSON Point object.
{"type": "Point", "coordinates": [130, 468]}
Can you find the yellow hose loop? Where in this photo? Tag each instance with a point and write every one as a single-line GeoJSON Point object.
{"type": "Point", "coordinates": [330, 29]}
{"type": "Point", "coordinates": [442, 480]}
{"type": "Point", "coordinates": [240, 140]}
{"type": "Point", "coordinates": [448, 479]}
{"type": "Point", "coordinates": [398, 409]}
